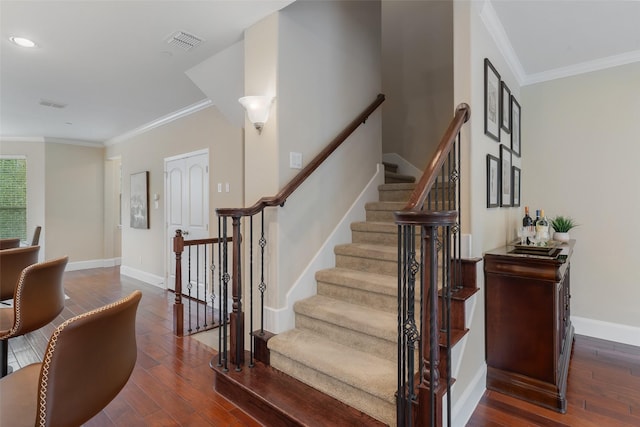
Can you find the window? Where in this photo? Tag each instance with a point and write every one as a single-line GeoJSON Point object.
{"type": "Point", "coordinates": [13, 197]}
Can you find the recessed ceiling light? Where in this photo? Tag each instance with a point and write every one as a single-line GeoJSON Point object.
{"type": "Point", "coordinates": [22, 41]}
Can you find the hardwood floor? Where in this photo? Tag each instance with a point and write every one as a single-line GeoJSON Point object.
{"type": "Point", "coordinates": [172, 384]}
{"type": "Point", "coordinates": [603, 390]}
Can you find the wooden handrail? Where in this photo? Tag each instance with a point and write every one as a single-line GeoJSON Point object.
{"type": "Point", "coordinates": [280, 198]}
{"type": "Point", "coordinates": [426, 181]}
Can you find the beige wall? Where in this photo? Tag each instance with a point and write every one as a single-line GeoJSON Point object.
{"type": "Point", "coordinates": [144, 252]}
{"type": "Point", "coordinates": [580, 159]}
{"type": "Point", "coordinates": [74, 191]}
{"type": "Point", "coordinates": [417, 76]}
{"type": "Point", "coordinates": [322, 51]}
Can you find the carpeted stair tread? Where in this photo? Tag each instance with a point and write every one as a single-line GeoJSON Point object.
{"type": "Point", "coordinates": [394, 177]}
{"type": "Point", "coordinates": [368, 250]}
{"type": "Point", "coordinates": [361, 280]}
{"type": "Point", "coordinates": [353, 317]}
{"type": "Point", "coordinates": [385, 206]}
{"type": "Point", "coordinates": [397, 186]}
{"type": "Point", "coordinates": [375, 227]}
{"type": "Point", "coordinates": [356, 368]}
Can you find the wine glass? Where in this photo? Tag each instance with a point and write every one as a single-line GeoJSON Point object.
{"type": "Point", "coordinates": [522, 234]}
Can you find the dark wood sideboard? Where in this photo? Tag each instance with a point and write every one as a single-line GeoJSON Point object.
{"type": "Point", "coordinates": [528, 327]}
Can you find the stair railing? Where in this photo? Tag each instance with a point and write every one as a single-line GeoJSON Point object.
{"type": "Point", "coordinates": [199, 267]}
{"type": "Point", "coordinates": [428, 272]}
{"type": "Point", "coordinates": [231, 218]}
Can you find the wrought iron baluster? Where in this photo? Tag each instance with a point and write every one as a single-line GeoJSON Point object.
{"type": "Point", "coordinates": [189, 285]}
{"type": "Point", "coordinates": [251, 344]}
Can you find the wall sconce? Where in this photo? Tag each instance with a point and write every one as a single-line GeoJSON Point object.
{"type": "Point", "coordinates": [257, 109]}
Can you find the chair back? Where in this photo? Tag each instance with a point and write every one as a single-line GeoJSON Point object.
{"type": "Point", "coordinates": [39, 296]}
{"type": "Point", "coordinates": [87, 362]}
{"type": "Point", "coordinates": [9, 243]}
{"type": "Point", "coordinates": [12, 262]}
{"type": "Point", "coordinates": [35, 241]}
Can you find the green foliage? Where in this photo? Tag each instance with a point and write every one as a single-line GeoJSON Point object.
{"type": "Point", "coordinates": [562, 224]}
{"type": "Point", "coordinates": [13, 198]}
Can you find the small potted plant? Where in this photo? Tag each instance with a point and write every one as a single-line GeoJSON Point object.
{"type": "Point", "coordinates": [562, 225]}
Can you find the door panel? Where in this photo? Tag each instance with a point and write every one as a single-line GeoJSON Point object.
{"type": "Point", "coordinates": [187, 199]}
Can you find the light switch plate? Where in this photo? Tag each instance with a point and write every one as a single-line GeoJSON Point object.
{"type": "Point", "coordinates": [295, 160]}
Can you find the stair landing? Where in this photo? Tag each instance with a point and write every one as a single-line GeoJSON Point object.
{"type": "Point", "coordinates": [276, 399]}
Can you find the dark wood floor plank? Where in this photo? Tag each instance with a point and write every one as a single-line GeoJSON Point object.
{"type": "Point", "coordinates": [172, 383]}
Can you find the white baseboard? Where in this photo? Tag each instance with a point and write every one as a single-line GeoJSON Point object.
{"type": "Point", "coordinates": [143, 276]}
{"type": "Point", "coordinates": [607, 331]}
{"type": "Point", "coordinates": [94, 263]}
{"type": "Point", "coordinates": [465, 405]}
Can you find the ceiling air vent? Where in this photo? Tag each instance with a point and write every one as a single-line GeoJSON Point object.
{"type": "Point", "coordinates": [184, 40]}
{"type": "Point", "coordinates": [52, 104]}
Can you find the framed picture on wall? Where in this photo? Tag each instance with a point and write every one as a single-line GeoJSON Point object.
{"type": "Point", "coordinates": [493, 178]}
{"type": "Point", "coordinates": [491, 101]}
{"type": "Point", "coordinates": [515, 185]}
{"type": "Point", "coordinates": [506, 190]}
{"type": "Point", "coordinates": [505, 107]}
{"type": "Point", "coordinates": [139, 203]}
{"type": "Point", "coordinates": [515, 127]}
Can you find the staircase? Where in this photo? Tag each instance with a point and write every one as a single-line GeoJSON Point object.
{"type": "Point", "coordinates": [345, 340]}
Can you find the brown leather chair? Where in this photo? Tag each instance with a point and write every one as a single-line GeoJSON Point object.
{"type": "Point", "coordinates": [38, 300]}
{"type": "Point", "coordinates": [35, 241]}
{"type": "Point", "coordinates": [88, 361]}
{"type": "Point", "coordinates": [12, 262]}
{"type": "Point", "coordinates": [9, 243]}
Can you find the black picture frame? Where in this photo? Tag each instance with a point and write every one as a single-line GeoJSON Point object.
{"type": "Point", "coordinates": [505, 176]}
{"type": "Point", "coordinates": [493, 181]}
{"type": "Point", "coordinates": [516, 128]}
{"type": "Point", "coordinates": [491, 101]}
{"type": "Point", "coordinates": [505, 107]}
{"type": "Point", "coordinates": [139, 200]}
{"type": "Point", "coordinates": [515, 185]}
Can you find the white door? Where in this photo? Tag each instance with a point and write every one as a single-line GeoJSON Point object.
{"type": "Point", "coordinates": [187, 209]}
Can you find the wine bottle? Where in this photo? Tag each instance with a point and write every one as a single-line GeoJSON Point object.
{"type": "Point", "coordinates": [535, 221]}
{"type": "Point", "coordinates": [527, 222]}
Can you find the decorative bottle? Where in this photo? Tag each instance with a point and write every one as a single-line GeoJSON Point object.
{"type": "Point", "coordinates": [542, 228]}
{"type": "Point", "coordinates": [527, 222]}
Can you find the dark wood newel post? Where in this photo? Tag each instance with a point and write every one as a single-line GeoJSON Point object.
{"type": "Point", "coordinates": [430, 350]}
{"type": "Point", "coordinates": [236, 318]}
{"type": "Point", "coordinates": [178, 308]}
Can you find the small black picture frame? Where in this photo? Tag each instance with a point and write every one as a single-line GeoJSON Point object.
{"type": "Point", "coordinates": [491, 101]}
{"type": "Point", "coordinates": [493, 181]}
{"type": "Point", "coordinates": [505, 107]}
{"type": "Point", "coordinates": [505, 177]}
{"type": "Point", "coordinates": [516, 129]}
{"type": "Point", "coordinates": [139, 200]}
{"type": "Point", "coordinates": [515, 185]}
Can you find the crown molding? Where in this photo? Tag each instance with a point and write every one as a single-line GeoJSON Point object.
{"type": "Point", "coordinates": [584, 67]}
{"type": "Point", "coordinates": [69, 141]}
{"type": "Point", "coordinates": [193, 108]}
{"type": "Point", "coordinates": [21, 139]}
{"type": "Point", "coordinates": [496, 30]}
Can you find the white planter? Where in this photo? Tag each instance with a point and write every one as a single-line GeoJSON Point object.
{"type": "Point", "coordinates": [561, 237]}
